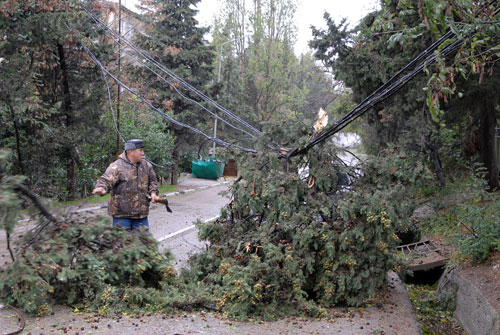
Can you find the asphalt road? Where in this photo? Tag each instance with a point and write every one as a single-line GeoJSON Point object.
{"type": "Point", "coordinates": [199, 202]}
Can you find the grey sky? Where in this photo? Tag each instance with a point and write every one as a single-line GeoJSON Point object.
{"type": "Point", "coordinates": [309, 12]}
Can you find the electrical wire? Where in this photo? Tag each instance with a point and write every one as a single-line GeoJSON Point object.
{"type": "Point", "coordinates": [172, 120]}
{"type": "Point", "coordinates": [114, 119]}
{"type": "Point", "coordinates": [172, 85]}
{"type": "Point", "coordinates": [146, 57]}
{"type": "Point", "coordinates": [389, 88]}
{"type": "Point", "coordinates": [188, 86]}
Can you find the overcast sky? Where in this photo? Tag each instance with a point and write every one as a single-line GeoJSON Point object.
{"type": "Point", "coordinates": [309, 12]}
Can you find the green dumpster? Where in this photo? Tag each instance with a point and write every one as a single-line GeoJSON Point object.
{"type": "Point", "coordinates": [210, 168]}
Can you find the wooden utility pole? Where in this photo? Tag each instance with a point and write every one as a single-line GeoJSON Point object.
{"type": "Point", "coordinates": [119, 70]}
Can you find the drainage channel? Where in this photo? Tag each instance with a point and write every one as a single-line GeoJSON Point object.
{"type": "Point", "coordinates": [426, 262]}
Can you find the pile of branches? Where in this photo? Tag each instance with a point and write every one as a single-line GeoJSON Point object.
{"type": "Point", "coordinates": [83, 263]}
{"type": "Point", "coordinates": [288, 243]}
{"type": "Point", "coordinates": [299, 244]}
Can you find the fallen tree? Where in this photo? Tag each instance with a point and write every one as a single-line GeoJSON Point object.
{"type": "Point", "coordinates": [84, 263]}
{"type": "Point", "coordinates": [287, 245]}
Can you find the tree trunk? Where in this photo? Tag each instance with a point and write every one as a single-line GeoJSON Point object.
{"type": "Point", "coordinates": [437, 165]}
{"type": "Point", "coordinates": [67, 107]}
{"type": "Point", "coordinates": [174, 179]}
{"type": "Point", "coordinates": [487, 154]}
{"type": "Point", "coordinates": [18, 141]}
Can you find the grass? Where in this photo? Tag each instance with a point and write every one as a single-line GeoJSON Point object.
{"type": "Point", "coordinates": [95, 199]}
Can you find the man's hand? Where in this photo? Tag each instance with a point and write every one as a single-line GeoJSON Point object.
{"type": "Point", "coordinates": [99, 191]}
{"type": "Point", "coordinates": [154, 197]}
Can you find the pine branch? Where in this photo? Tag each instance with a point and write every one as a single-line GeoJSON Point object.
{"type": "Point", "coordinates": [36, 201]}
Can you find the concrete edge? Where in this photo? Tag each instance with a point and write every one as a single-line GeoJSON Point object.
{"type": "Point", "coordinates": [473, 311]}
{"type": "Point", "coordinates": [399, 282]}
{"type": "Point", "coordinates": [171, 194]}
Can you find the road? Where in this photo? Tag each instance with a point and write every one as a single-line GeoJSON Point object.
{"type": "Point", "coordinates": [202, 199]}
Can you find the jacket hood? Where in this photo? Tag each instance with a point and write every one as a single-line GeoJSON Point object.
{"type": "Point", "coordinates": [124, 157]}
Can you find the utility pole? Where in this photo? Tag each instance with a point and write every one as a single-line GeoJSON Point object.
{"type": "Point", "coordinates": [119, 70]}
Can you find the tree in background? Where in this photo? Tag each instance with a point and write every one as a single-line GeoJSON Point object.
{"type": "Point", "coordinates": [177, 42]}
{"type": "Point", "coordinates": [367, 56]}
{"type": "Point", "coordinates": [262, 79]}
{"type": "Point", "coordinates": [51, 94]}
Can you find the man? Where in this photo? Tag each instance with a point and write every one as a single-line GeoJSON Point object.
{"type": "Point", "coordinates": [132, 184]}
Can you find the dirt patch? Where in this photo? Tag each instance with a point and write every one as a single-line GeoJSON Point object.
{"type": "Point", "coordinates": [486, 278]}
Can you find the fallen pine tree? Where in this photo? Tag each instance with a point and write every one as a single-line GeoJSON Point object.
{"type": "Point", "coordinates": [84, 263]}
{"type": "Point", "coordinates": [286, 244]}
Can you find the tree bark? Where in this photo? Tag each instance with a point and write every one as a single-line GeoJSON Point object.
{"type": "Point", "coordinates": [18, 140]}
{"type": "Point", "coordinates": [437, 165]}
{"type": "Point", "coordinates": [67, 107]}
{"type": "Point", "coordinates": [174, 178]}
{"type": "Point", "coordinates": [487, 132]}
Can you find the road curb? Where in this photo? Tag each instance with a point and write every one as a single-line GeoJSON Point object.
{"type": "Point", "coordinates": [171, 194]}
{"type": "Point", "coordinates": [194, 189]}
{"type": "Point", "coordinates": [473, 311]}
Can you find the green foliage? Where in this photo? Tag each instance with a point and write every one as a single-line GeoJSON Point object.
{"type": "Point", "coordinates": [87, 264]}
{"type": "Point", "coordinates": [479, 227]}
{"type": "Point", "coordinates": [366, 56]}
{"type": "Point", "coordinates": [420, 115]}
{"type": "Point", "coordinates": [10, 203]}
{"type": "Point", "coordinates": [50, 94]}
{"type": "Point", "coordinates": [176, 40]}
{"type": "Point", "coordinates": [261, 78]}
{"type": "Point", "coordinates": [468, 216]}
{"type": "Point", "coordinates": [286, 245]}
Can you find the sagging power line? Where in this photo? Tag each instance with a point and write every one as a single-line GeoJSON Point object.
{"type": "Point", "coordinates": [168, 117]}
{"type": "Point", "coordinates": [171, 84]}
{"type": "Point", "coordinates": [170, 74]}
{"type": "Point", "coordinates": [389, 88]}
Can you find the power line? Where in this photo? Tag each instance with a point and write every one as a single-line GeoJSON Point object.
{"type": "Point", "coordinates": [158, 75]}
{"type": "Point", "coordinates": [389, 88]}
{"type": "Point", "coordinates": [178, 123]}
{"type": "Point", "coordinates": [162, 68]}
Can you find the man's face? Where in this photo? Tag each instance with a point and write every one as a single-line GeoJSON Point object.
{"type": "Point", "coordinates": [136, 155]}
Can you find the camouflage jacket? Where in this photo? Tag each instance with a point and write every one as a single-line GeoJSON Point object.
{"type": "Point", "coordinates": [130, 187]}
